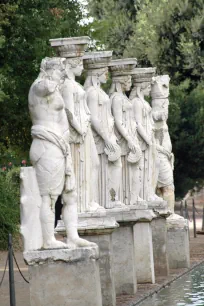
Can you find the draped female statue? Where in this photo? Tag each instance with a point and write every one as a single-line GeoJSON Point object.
{"type": "Point", "coordinates": [102, 121]}
{"type": "Point", "coordinates": [126, 129]}
{"type": "Point", "coordinates": [142, 78]}
{"type": "Point", "coordinates": [83, 148]}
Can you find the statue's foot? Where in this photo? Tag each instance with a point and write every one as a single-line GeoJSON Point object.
{"type": "Point", "coordinates": [79, 242]}
{"type": "Point", "coordinates": [119, 204]}
{"type": "Point", "coordinates": [155, 198]}
{"type": "Point", "coordinates": [93, 206]}
{"type": "Point", "coordinates": [140, 199]}
{"type": "Point", "coordinates": [54, 244]}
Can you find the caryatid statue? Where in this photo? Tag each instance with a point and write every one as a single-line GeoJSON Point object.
{"type": "Point", "coordinates": [50, 153]}
{"type": "Point", "coordinates": [160, 104]}
{"type": "Point", "coordinates": [126, 129]}
{"type": "Point", "coordinates": [102, 121]}
{"type": "Point", "coordinates": [142, 78]}
{"type": "Point", "coordinates": [83, 148]}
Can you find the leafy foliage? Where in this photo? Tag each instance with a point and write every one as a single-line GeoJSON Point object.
{"type": "Point", "coordinates": [9, 205]}
{"type": "Point", "coordinates": [25, 29]}
{"type": "Point", "coordinates": [170, 36]}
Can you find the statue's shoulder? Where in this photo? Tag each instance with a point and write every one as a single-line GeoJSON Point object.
{"type": "Point", "coordinates": [92, 91]}
{"type": "Point", "coordinates": [116, 96]}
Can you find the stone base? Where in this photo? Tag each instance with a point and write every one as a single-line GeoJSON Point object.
{"type": "Point", "coordinates": [124, 257]}
{"type": "Point", "coordinates": [124, 260]}
{"type": "Point", "coordinates": [64, 277]}
{"type": "Point", "coordinates": [98, 228]}
{"type": "Point", "coordinates": [159, 239]}
{"type": "Point", "coordinates": [178, 242]}
{"type": "Point", "coordinates": [144, 252]}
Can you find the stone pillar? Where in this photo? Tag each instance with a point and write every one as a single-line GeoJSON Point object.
{"type": "Point", "coordinates": [144, 252]}
{"type": "Point", "coordinates": [124, 250]}
{"type": "Point", "coordinates": [64, 277]}
{"type": "Point", "coordinates": [98, 228]}
{"type": "Point", "coordinates": [159, 239]}
{"type": "Point", "coordinates": [124, 260]}
{"type": "Point", "coordinates": [178, 242]}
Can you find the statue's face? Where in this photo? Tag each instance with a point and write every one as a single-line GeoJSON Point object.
{"type": "Point", "coordinates": [128, 84]}
{"type": "Point", "coordinates": [78, 69]}
{"type": "Point", "coordinates": [57, 75]}
{"type": "Point", "coordinates": [103, 77]}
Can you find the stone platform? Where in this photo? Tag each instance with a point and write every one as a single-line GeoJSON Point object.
{"type": "Point", "coordinates": [64, 277]}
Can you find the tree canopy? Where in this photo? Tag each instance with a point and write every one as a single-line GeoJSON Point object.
{"type": "Point", "coordinates": [170, 36]}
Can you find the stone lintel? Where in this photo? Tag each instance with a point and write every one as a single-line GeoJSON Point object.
{"type": "Point", "coordinates": [132, 215]}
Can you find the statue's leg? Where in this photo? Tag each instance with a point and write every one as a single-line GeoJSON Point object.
{"type": "Point", "coordinates": [114, 181]}
{"type": "Point", "coordinates": [169, 196]}
{"type": "Point", "coordinates": [47, 218]}
{"type": "Point", "coordinates": [70, 218]}
{"type": "Point", "coordinates": [135, 180]}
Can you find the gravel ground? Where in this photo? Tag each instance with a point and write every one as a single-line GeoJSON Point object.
{"type": "Point", "coordinates": [22, 288]}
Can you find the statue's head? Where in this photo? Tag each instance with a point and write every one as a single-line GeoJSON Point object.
{"type": "Point", "coordinates": [160, 87]}
{"type": "Point", "coordinates": [96, 67]}
{"type": "Point", "coordinates": [52, 68]}
{"type": "Point", "coordinates": [121, 74]}
{"type": "Point", "coordinates": [122, 83]}
{"type": "Point", "coordinates": [75, 65]}
{"type": "Point", "coordinates": [142, 78]}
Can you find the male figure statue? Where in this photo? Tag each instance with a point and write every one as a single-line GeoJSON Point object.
{"type": "Point", "coordinates": [50, 154]}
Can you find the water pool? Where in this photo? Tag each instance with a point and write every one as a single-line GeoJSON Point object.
{"type": "Point", "coordinates": [185, 291]}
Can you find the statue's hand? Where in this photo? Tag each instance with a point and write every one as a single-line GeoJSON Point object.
{"type": "Point", "coordinates": [110, 146]}
{"type": "Point", "coordinates": [149, 142]}
{"type": "Point", "coordinates": [70, 182]}
{"type": "Point", "coordinates": [132, 146]}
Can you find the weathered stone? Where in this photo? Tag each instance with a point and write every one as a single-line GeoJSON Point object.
{"type": "Point", "coordinates": [177, 242]}
{"type": "Point", "coordinates": [76, 273]}
{"type": "Point", "coordinates": [144, 252]}
{"type": "Point", "coordinates": [159, 239]}
{"type": "Point", "coordinates": [124, 261]}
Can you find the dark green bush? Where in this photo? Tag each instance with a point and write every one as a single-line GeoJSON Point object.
{"type": "Point", "coordinates": [9, 205]}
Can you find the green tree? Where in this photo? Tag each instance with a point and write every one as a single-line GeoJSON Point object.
{"type": "Point", "coordinates": [113, 23]}
{"type": "Point", "coordinates": [170, 35]}
{"type": "Point", "coordinates": [25, 29]}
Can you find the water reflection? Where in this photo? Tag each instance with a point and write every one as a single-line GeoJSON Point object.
{"type": "Point", "coordinates": [186, 291]}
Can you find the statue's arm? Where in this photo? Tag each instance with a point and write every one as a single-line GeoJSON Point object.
{"type": "Point", "coordinates": [137, 108]}
{"type": "Point", "coordinates": [92, 101]}
{"type": "Point", "coordinates": [68, 96]}
{"type": "Point", "coordinates": [117, 108]}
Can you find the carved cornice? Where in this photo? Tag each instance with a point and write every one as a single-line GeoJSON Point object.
{"type": "Point", "coordinates": [140, 75]}
{"type": "Point", "coordinates": [97, 60]}
{"type": "Point", "coordinates": [122, 67]}
{"type": "Point", "coordinates": [70, 46]}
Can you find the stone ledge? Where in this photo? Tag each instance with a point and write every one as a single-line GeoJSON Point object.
{"type": "Point", "coordinates": [133, 215]}
{"type": "Point", "coordinates": [65, 255]}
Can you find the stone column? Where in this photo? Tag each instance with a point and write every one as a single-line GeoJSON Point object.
{"type": "Point", "coordinates": [144, 252]}
{"type": "Point", "coordinates": [64, 277]}
{"type": "Point", "coordinates": [98, 228]}
{"type": "Point", "coordinates": [126, 248]}
{"type": "Point", "coordinates": [178, 242]}
{"type": "Point", "coordinates": [159, 239]}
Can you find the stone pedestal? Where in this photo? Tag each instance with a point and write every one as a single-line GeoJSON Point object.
{"type": "Point", "coordinates": [144, 252]}
{"type": "Point", "coordinates": [125, 247]}
{"type": "Point", "coordinates": [178, 242]}
{"type": "Point", "coordinates": [159, 239]}
{"type": "Point", "coordinates": [98, 228]}
{"type": "Point", "coordinates": [64, 277]}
